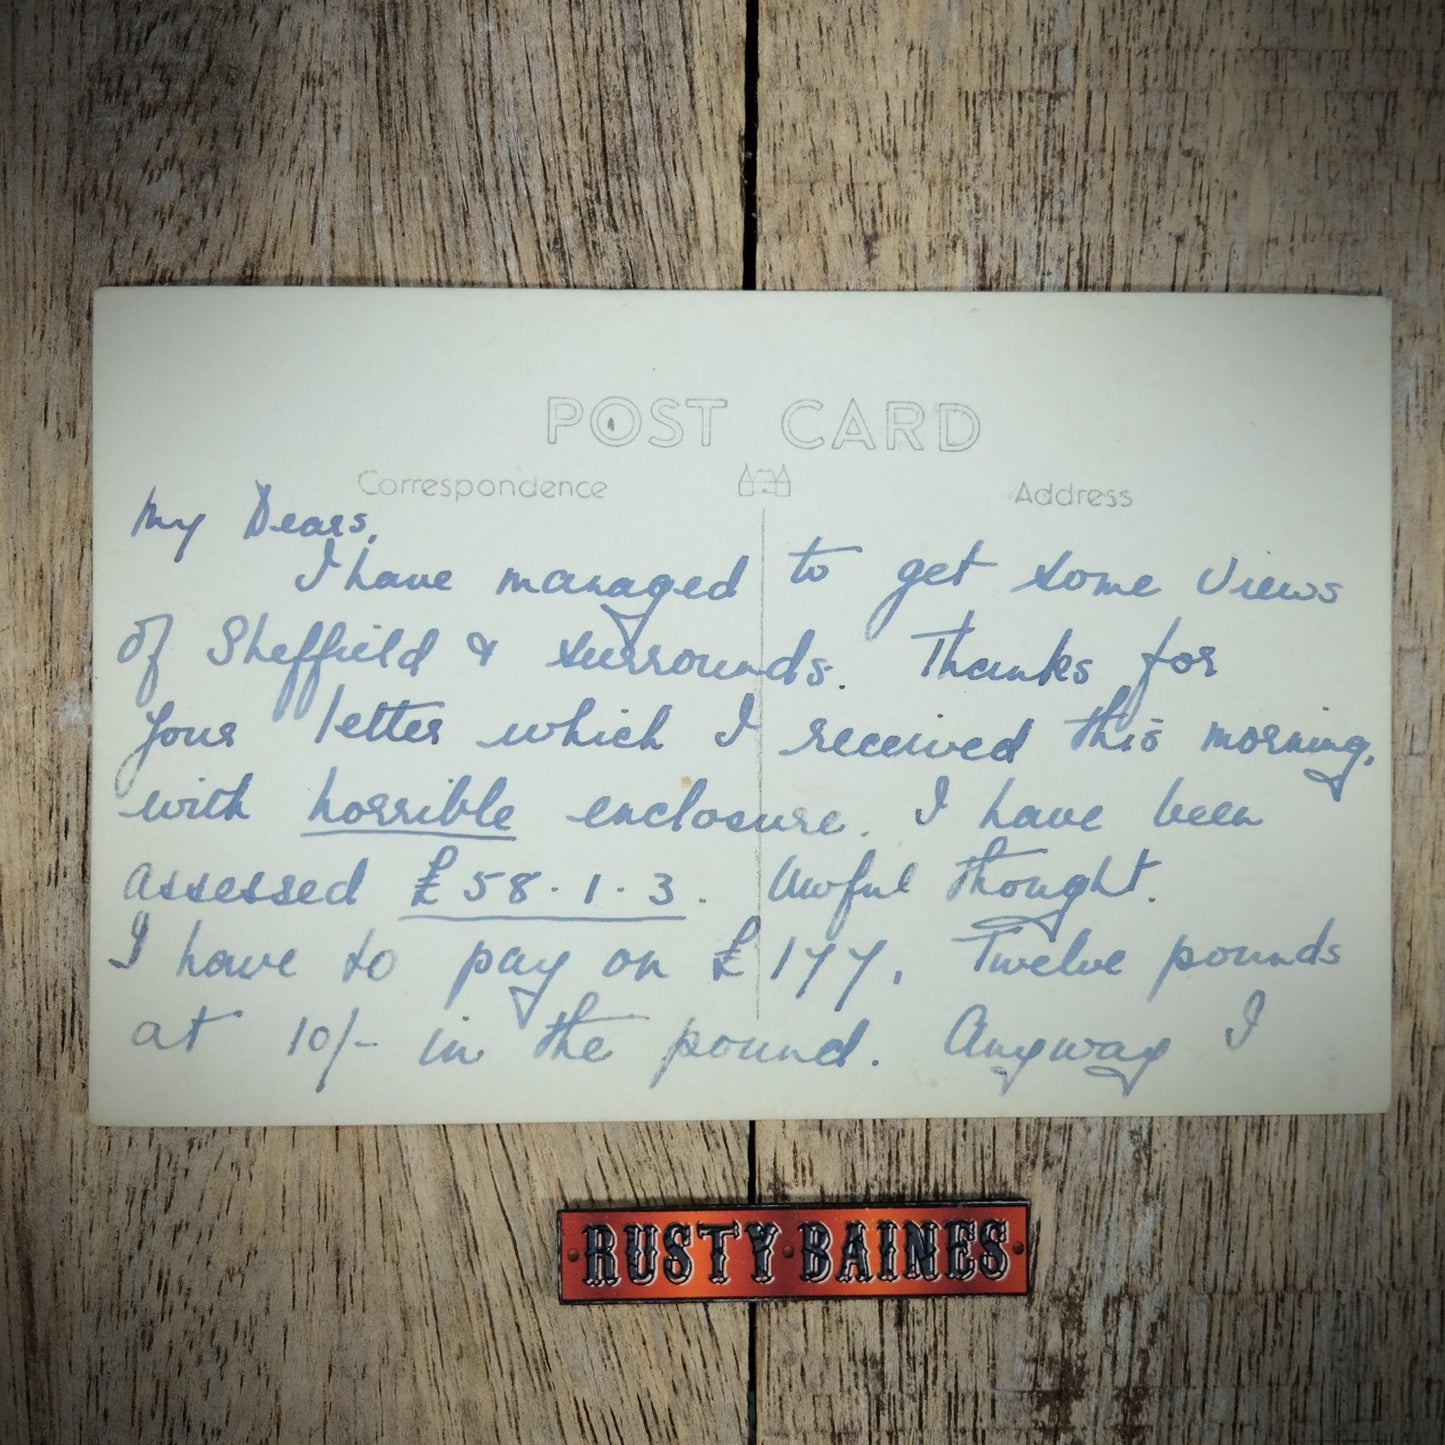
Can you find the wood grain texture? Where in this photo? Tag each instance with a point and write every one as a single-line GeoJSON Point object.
{"type": "Point", "coordinates": [296, 1285]}
{"type": "Point", "coordinates": [1207, 1279]}
{"type": "Point", "coordinates": [1273, 1280]}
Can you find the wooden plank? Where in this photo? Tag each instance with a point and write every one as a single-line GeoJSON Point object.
{"type": "Point", "coordinates": [274, 1284]}
{"type": "Point", "coordinates": [1206, 1279]}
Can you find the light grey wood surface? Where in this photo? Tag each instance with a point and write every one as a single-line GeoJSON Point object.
{"type": "Point", "coordinates": [1271, 1280]}
{"type": "Point", "coordinates": [275, 1284]}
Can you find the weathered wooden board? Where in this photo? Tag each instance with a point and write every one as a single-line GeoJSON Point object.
{"type": "Point", "coordinates": [1279, 1279]}
{"type": "Point", "coordinates": [1206, 1279]}
{"type": "Point", "coordinates": [354, 1284]}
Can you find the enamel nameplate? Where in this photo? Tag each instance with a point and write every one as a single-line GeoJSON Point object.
{"type": "Point", "coordinates": [813, 1251]}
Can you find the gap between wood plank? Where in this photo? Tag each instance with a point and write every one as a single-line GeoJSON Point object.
{"type": "Point", "coordinates": [749, 165]}
{"type": "Point", "coordinates": [750, 148]}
